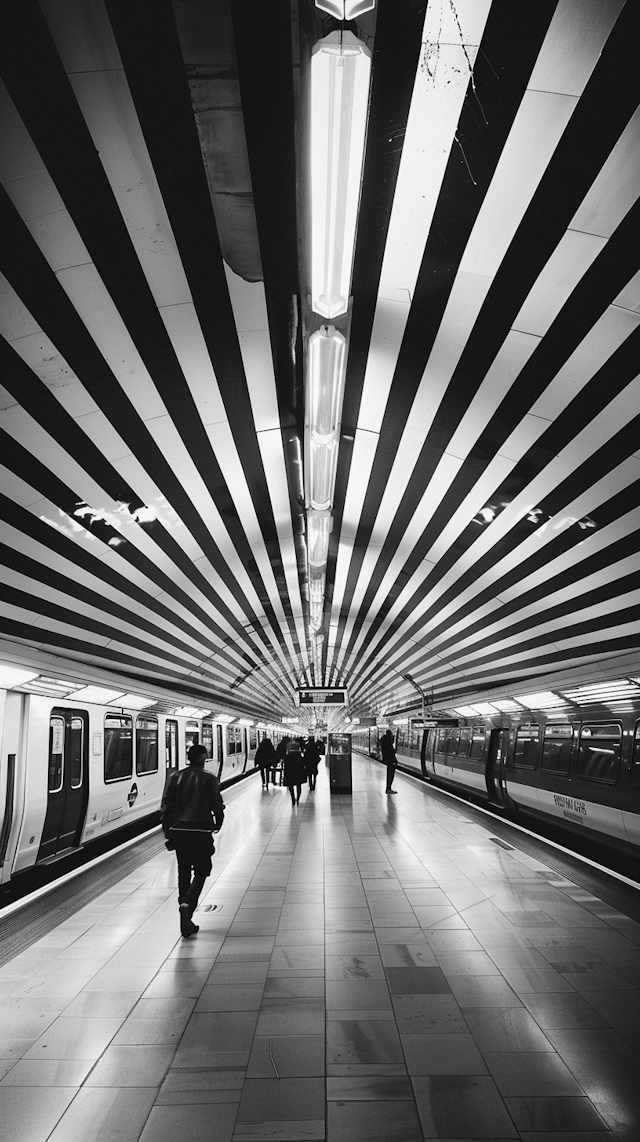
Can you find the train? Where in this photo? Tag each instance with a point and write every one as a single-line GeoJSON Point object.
{"type": "Point", "coordinates": [73, 771]}
{"type": "Point", "coordinates": [577, 769]}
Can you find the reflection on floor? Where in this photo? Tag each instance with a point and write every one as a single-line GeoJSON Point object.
{"type": "Point", "coordinates": [376, 968]}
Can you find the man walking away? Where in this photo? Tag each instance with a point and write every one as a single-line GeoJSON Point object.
{"type": "Point", "coordinates": [192, 810]}
{"type": "Point", "coordinates": [389, 758]}
{"type": "Point", "coordinates": [266, 759]}
{"type": "Point", "coordinates": [311, 760]}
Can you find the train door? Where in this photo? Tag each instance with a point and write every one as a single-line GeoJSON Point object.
{"type": "Point", "coordinates": [171, 754]}
{"type": "Point", "coordinates": [497, 748]}
{"type": "Point", "coordinates": [191, 735]}
{"type": "Point", "coordinates": [68, 782]}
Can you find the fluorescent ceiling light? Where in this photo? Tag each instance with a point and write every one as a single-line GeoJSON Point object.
{"type": "Point", "coordinates": [543, 700]}
{"type": "Point", "coordinates": [486, 708]}
{"type": "Point", "coordinates": [507, 705]}
{"type": "Point", "coordinates": [327, 360]}
{"type": "Point", "coordinates": [346, 9]}
{"type": "Point", "coordinates": [466, 711]}
{"type": "Point", "coordinates": [225, 718]}
{"type": "Point", "coordinates": [135, 702]}
{"type": "Point", "coordinates": [318, 529]}
{"type": "Point", "coordinates": [50, 687]}
{"type": "Point", "coordinates": [618, 690]}
{"type": "Point", "coordinates": [97, 694]}
{"type": "Point", "coordinates": [340, 71]}
{"type": "Point", "coordinates": [243, 722]}
{"type": "Point", "coordinates": [15, 676]}
{"type": "Point", "coordinates": [323, 463]}
{"type": "Point", "coordinates": [192, 712]}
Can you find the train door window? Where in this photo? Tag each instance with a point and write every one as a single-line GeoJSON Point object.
{"type": "Point", "coordinates": [556, 749]}
{"type": "Point", "coordinates": [477, 743]}
{"type": "Point", "coordinates": [220, 743]}
{"type": "Point", "coordinates": [171, 744]}
{"type": "Point", "coordinates": [234, 739]}
{"type": "Point", "coordinates": [526, 747]}
{"type": "Point", "coordinates": [451, 741]}
{"type": "Point", "coordinates": [56, 753]}
{"type": "Point", "coordinates": [146, 745]}
{"type": "Point", "coordinates": [191, 735]}
{"type": "Point", "coordinates": [635, 758]}
{"type": "Point", "coordinates": [207, 739]}
{"type": "Point", "coordinates": [76, 752]}
{"type": "Point", "coordinates": [118, 747]}
{"type": "Point", "coordinates": [253, 738]}
{"type": "Point", "coordinates": [599, 752]}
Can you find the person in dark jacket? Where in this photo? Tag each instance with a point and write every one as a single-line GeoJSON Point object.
{"type": "Point", "coordinates": [295, 775]}
{"type": "Point", "coordinates": [311, 760]}
{"type": "Point", "coordinates": [266, 759]}
{"type": "Point", "coordinates": [389, 758]}
{"type": "Point", "coordinates": [192, 810]}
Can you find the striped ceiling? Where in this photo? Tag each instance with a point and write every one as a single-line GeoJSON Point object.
{"type": "Point", "coordinates": [154, 322]}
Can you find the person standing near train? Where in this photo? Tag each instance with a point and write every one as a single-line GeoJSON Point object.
{"type": "Point", "coordinates": [266, 759]}
{"type": "Point", "coordinates": [192, 811]}
{"type": "Point", "coordinates": [389, 758]}
{"type": "Point", "coordinates": [311, 761]}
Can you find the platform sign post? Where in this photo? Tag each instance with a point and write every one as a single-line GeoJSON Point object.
{"type": "Point", "coordinates": [340, 763]}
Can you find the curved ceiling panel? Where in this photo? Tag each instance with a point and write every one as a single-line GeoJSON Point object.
{"type": "Point", "coordinates": [485, 519]}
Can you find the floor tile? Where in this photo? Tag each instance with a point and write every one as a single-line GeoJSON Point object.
{"type": "Point", "coordinates": [462, 1107]}
{"type": "Point", "coordinates": [105, 1115]}
{"type": "Point", "coordinates": [506, 1029]}
{"type": "Point", "coordinates": [428, 1014]}
{"type": "Point", "coordinates": [442, 1055]}
{"type": "Point", "coordinates": [529, 1073]}
{"type": "Point", "coordinates": [559, 1114]}
{"type": "Point", "coordinates": [287, 1056]}
{"type": "Point", "coordinates": [48, 1072]}
{"type": "Point", "coordinates": [30, 1113]}
{"type": "Point", "coordinates": [416, 981]}
{"type": "Point", "coordinates": [197, 1122]}
{"type": "Point", "coordinates": [363, 1042]}
{"type": "Point", "coordinates": [380, 1121]}
{"type": "Point", "coordinates": [126, 1066]}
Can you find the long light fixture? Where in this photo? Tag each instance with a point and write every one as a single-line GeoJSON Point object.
{"type": "Point", "coordinates": [340, 72]}
{"type": "Point", "coordinates": [346, 9]}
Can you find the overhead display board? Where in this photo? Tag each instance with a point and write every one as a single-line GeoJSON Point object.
{"type": "Point", "coordinates": [322, 697]}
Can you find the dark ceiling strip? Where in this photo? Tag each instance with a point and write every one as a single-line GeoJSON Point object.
{"type": "Point", "coordinates": [614, 376]}
{"type": "Point", "coordinates": [510, 46]}
{"type": "Point", "coordinates": [158, 82]}
{"type": "Point", "coordinates": [38, 287]}
{"type": "Point", "coordinates": [51, 114]}
{"type": "Point", "coordinates": [36, 475]}
{"type": "Point", "coordinates": [609, 273]}
{"type": "Point", "coordinates": [396, 57]}
{"type": "Point", "coordinates": [30, 525]}
{"type": "Point", "coordinates": [545, 591]}
{"type": "Point", "coordinates": [610, 511]}
{"type": "Point", "coordinates": [44, 576]}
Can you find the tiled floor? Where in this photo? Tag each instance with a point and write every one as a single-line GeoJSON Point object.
{"type": "Point", "coordinates": [376, 968]}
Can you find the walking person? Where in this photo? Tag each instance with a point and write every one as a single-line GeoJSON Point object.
{"type": "Point", "coordinates": [389, 758]}
{"type": "Point", "coordinates": [311, 760]}
{"type": "Point", "coordinates": [192, 810]}
{"type": "Point", "coordinates": [295, 775]}
{"type": "Point", "coordinates": [266, 759]}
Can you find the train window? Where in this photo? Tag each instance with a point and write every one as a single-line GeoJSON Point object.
{"type": "Point", "coordinates": [56, 753]}
{"type": "Point", "coordinates": [234, 739]}
{"type": "Point", "coordinates": [171, 744]}
{"type": "Point", "coordinates": [464, 745]}
{"type": "Point", "coordinates": [118, 747]}
{"type": "Point", "coordinates": [556, 748]}
{"type": "Point", "coordinates": [76, 740]}
{"type": "Point", "coordinates": [477, 743]}
{"type": "Point", "coordinates": [146, 745]}
{"type": "Point", "coordinates": [525, 753]}
{"type": "Point", "coordinates": [635, 758]}
{"type": "Point", "coordinates": [253, 738]}
{"type": "Point", "coordinates": [207, 739]}
{"type": "Point", "coordinates": [191, 735]}
{"type": "Point", "coordinates": [451, 741]}
{"type": "Point", "coordinates": [599, 753]}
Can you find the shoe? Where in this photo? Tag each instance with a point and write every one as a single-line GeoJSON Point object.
{"type": "Point", "coordinates": [194, 928]}
{"type": "Point", "coordinates": [185, 921]}
{"type": "Point", "coordinates": [394, 791]}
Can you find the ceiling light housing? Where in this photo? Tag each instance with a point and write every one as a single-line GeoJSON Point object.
{"type": "Point", "coordinates": [340, 73]}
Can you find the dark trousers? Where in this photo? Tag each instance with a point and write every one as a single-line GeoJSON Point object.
{"type": "Point", "coordinates": [194, 854]}
{"type": "Point", "coordinates": [295, 791]}
{"type": "Point", "coordinates": [391, 769]}
{"type": "Point", "coordinates": [312, 781]}
{"type": "Point", "coordinates": [264, 773]}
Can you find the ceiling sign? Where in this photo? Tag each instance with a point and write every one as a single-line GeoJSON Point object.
{"type": "Point", "coordinates": [322, 697]}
